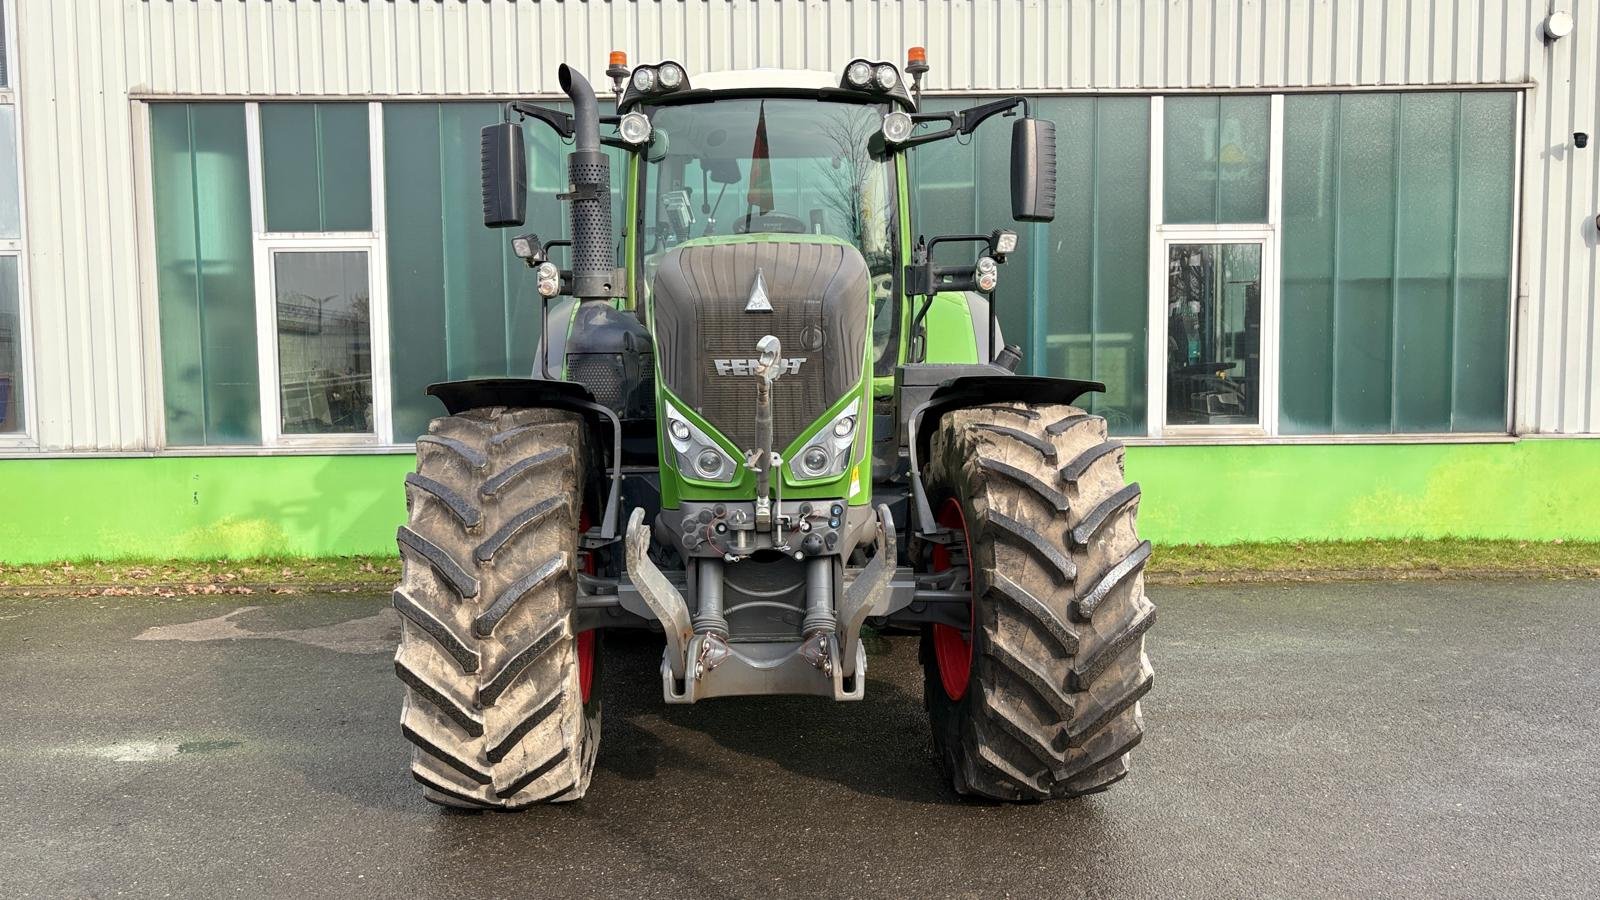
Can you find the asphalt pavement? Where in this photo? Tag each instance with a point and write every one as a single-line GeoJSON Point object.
{"type": "Point", "coordinates": [1351, 739]}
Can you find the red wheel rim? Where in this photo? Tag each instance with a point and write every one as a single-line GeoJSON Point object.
{"type": "Point", "coordinates": [585, 663]}
{"type": "Point", "coordinates": [586, 564]}
{"type": "Point", "coordinates": [952, 649]}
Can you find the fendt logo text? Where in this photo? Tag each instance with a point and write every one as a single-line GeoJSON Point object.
{"type": "Point", "coordinates": [789, 365]}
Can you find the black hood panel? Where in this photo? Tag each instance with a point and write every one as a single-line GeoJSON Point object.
{"type": "Point", "coordinates": [706, 337]}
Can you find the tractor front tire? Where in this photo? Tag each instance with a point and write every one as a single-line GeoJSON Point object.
{"type": "Point", "coordinates": [500, 700]}
{"type": "Point", "coordinates": [1039, 697]}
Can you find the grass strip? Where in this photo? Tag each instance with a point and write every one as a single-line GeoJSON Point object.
{"type": "Point", "coordinates": [1170, 564]}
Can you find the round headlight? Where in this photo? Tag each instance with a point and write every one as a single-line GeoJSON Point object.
{"type": "Point", "coordinates": [671, 76]}
{"type": "Point", "coordinates": [679, 429]}
{"type": "Point", "coordinates": [644, 79]}
{"type": "Point", "coordinates": [887, 77]}
{"type": "Point", "coordinates": [708, 463]}
{"type": "Point", "coordinates": [987, 266]}
{"type": "Point", "coordinates": [815, 460]}
{"type": "Point", "coordinates": [897, 127]}
{"type": "Point", "coordinates": [844, 427]}
{"type": "Point", "coordinates": [859, 74]}
{"type": "Point", "coordinates": [634, 128]}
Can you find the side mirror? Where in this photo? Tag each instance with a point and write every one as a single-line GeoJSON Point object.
{"type": "Point", "coordinates": [505, 175]}
{"type": "Point", "coordinates": [1033, 170]}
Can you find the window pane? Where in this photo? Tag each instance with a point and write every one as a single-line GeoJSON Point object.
{"type": "Point", "coordinates": [1364, 311]}
{"type": "Point", "coordinates": [1075, 295]}
{"type": "Point", "coordinates": [1425, 261]}
{"type": "Point", "coordinates": [205, 274]}
{"type": "Point", "coordinates": [1213, 334]}
{"type": "Point", "coordinates": [11, 374]}
{"type": "Point", "coordinates": [1483, 262]}
{"type": "Point", "coordinates": [461, 305]}
{"type": "Point", "coordinates": [1396, 262]}
{"type": "Point", "coordinates": [10, 208]}
{"type": "Point", "coordinates": [1310, 178]}
{"type": "Point", "coordinates": [1216, 159]}
{"type": "Point", "coordinates": [324, 342]}
{"type": "Point", "coordinates": [316, 173]}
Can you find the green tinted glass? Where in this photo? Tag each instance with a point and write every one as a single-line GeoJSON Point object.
{"type": "Point", "coordinates": [204, 273]}
{"type": "Point", "coordinates": [315, 166]}
{"type": "Point", "coordinates": [1215, 160]}
{"type": "Point", "coordinates": [1396, 262]}
{"type": "Point", "coordinates": [12, 376]}
{"type": "Point", "coordinates": [461, 305]}
{"type": "Point", "coordinates": [1073, 296]}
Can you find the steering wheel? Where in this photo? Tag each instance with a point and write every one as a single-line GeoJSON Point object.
{"type": "Point", "coordinates": [772, 221]}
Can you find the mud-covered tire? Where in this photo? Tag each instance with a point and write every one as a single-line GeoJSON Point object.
{"type": "Point", "coordinates": [493, 671]}
{"type": "Point", "coordinates": [1050, 706]}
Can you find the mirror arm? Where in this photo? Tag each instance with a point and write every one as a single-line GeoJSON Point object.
{"type": "Point", "coordinates": [559, 122]}
{"type": "Point", "coordinates": [964, 121]}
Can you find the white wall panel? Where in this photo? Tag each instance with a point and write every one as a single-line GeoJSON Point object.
{"type": "Point", "coordinates": [81, 62]}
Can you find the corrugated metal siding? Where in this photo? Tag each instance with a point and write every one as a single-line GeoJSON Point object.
{"type": "Point", "coordinates": [81, 61]}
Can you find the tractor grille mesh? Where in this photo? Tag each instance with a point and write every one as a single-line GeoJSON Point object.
{"type": "Point", "coordinates": [819, 297]}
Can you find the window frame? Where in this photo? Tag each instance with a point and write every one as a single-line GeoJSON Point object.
{"type": "Point", "coordinates": [1163, 235]}
{"type": "Point", "coordinates": [266, 244]}
{"type": "Point", "coordinates": [27, 436]}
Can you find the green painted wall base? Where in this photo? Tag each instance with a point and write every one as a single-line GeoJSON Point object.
{"type": "Point", "coordinates": [199, 507]}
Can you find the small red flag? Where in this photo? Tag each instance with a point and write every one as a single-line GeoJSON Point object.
{"type": "Point", "coordinates": [760, 195]}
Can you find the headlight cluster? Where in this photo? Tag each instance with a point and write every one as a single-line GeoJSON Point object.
{"type": "Point", "coordinates": [828, 452]}
{"type": "Point", "coordinates": [661, 79]}
{"type": "Point", "coordinates": [988, 274]}
{"type": "Point", "coordinates": [698, 455]}
{"type": "Point", "coordinates": [549, 279]}
{"type": "Point", "coordinates": [864, 75]}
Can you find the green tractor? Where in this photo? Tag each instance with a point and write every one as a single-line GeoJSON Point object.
{"type": "Point", "coordinates": [777, 423]}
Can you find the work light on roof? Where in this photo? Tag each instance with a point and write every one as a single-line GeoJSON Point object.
{"type": "Point", "coordinates": [671, 76]}
{"type": "Point", "coordinates": [634, 128]}
{"type": "Point", "coordinates": [644, 79]}
{"type": "Point", "coordinates": [859, 73]}
{"type": "Point", "coordinates": [888, 79]}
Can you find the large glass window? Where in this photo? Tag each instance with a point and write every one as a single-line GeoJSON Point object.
{"type": "Point", "coordinates": [1074, 294]}
{"type": "Point", "coordinates": [1216, 159]}
{"type": "Point", "coordinates": [461, 304]}
{"type": "Point", "coordinates": [315, 167]}
{"type": "Point", "coordinates": [205, 277]}
{"type": "Point", "coordinates": [1396, 262]}
{"type": "Point", "coordinates": [324, 326]}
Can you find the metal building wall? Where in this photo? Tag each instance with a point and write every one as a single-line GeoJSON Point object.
{"type": "Point", "coordinates": [83, 64]}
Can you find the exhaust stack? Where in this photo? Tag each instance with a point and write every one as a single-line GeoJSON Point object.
{"type": "Point", "coordinates": [588, 195]}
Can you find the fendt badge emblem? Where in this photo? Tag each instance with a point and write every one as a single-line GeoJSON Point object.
{"type": "Point", "coordinates": [758, 301]}
{"type": "Point", "coordinates": [788, 365]}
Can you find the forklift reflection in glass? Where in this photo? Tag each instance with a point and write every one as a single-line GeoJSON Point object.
{"type": "Point", "coordinates": [1213, 334]}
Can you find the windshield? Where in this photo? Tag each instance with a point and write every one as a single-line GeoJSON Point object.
{"type": "Point", "coordinates": [773, 165]}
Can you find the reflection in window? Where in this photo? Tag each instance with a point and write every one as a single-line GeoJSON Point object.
{"type": "Point", "coordinates": [324, 342]}
{"type": "Point", "coordinates": [1216, 159]}
{"type": "Point", "coordinates": [11, 373]}
{"type": "Point", "coordinates": [1213, 334]}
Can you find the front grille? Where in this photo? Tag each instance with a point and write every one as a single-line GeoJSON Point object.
{"type": "Point", "coordinates": [819, 293]}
